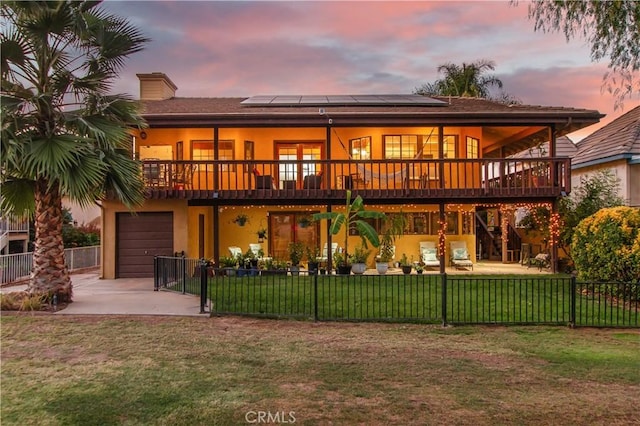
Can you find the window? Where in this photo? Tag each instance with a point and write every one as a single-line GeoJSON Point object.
{"type": "Point", "coordinates": [430, 146]}
{"type": "Point", "coordinates": [400, 146]}
{"type": "Point", "coordinates": [360, 148]}
{"type": "Point", "coordinates": [468, 227]}
{"type": "Point", "coordinates": [472, 147]}
{"type": "Point", "coordinates": [225, 153]}
{"type": "Point", "coordinates": [203, 151]}
{"type": "Point", "coordinates": [451, 220]}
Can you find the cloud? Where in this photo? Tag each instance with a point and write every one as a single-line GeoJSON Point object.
{"type": "Point", "coordinates": [215, 48]}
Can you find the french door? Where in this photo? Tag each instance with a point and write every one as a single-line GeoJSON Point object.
{"type": "Point", "coordinates": [289, 227]}
{"type": "Point", "coordinates": [291, 173]}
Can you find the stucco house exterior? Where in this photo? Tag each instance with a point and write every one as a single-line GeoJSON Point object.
{"type": "Point", "coordinates": [210, 162]}
{"type": "Point", "coordinates": [614, 147]}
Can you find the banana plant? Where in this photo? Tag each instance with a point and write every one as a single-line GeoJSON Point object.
{"type": "Point", "coordinates": [353, 217]}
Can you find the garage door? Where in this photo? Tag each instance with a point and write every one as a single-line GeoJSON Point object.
{"type": "Point", "coordinates": [139, 239]}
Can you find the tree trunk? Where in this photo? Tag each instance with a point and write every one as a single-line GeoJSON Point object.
{"type": "Point", "coordinates": [50, 274]}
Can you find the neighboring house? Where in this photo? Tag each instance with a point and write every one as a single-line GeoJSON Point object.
{"type": "Point", "coordinates": [208, 162]}
{"type": "Point", "coordinates": [614, 147]}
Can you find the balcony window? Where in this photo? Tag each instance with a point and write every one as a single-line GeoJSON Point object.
{"type": "Point", "coordinates": [472, 147]}
{"type": "Point", "coordinates": [360, 148]}
{"type": "Point", "coordinates": [400, 146]}
{"type": "Point", "coordinates": [203, 151]}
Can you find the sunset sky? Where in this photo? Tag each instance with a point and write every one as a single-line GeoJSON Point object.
{"type": "Point", "coordinates": [242, 48]}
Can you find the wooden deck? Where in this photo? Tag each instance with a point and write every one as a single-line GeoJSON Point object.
{"type": "Point", "coordinates": [380, 181]}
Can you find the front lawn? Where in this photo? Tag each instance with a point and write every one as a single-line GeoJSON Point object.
{"type": "Point", "coordinates": [96, 370]}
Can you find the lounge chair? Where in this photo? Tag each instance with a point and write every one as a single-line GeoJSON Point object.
{"type": "Point", "coordinates": [459, 255]}
{"type": "Point", "coordinates": [235, 251]}
{"type": "Point", "coordinates": [429, 254]}
{"type": "Point", "coordinates": [255, 249]}
{"type": "Point", "coordinates": [324, 258]}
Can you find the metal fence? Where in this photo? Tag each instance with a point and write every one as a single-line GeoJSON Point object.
{"type": "Point", "coordinates": [429, 298]}
{"type": "Point", "coordinates": [17, 267]}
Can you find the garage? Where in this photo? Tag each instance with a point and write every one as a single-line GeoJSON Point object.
{"type": "Point", "coordinates": [140, 237]}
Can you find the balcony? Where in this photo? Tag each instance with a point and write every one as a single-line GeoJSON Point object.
{"type": "Point", "coordinates": [382, 181]}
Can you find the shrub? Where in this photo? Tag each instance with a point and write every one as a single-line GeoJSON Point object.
{"type": "Point", "coordinates": [606, 245]}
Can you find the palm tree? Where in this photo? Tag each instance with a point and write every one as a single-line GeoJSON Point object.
{"type": "Point", "coordinates": [468, 80]}
{"type": "Point", "coordinates": [63, 135]}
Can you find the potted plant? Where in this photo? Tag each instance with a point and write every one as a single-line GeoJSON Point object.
{"type": "Point", "coordinates": [262, 235]}
{"type": "Point", "coordinates": [396, 225]}
{"type": "Point", "coordinates": [241, 219]}
{"type": "Point", "coordinates": [280, 267]}
{"type": "Point", "coordinates": [405, 265]}
{"type": "Point", "coordinates": [228, 265]}
{"type": "Point", "coordinates": [250, 263]}
{"type": "Point", "coordinates": [419, 268]}
{"type": "Point", "coordinates": [312, 255]}
{"type": "Point", "coordinates": [342, 266]}
{"type": "Point", "coordinates": [352, 218]}
{"type": "Point", "coordinates": [304, 222]}
{"type": "Point", "coordinates": [296, 251]}
{"type": "Point", "coordinates": [359, 260]}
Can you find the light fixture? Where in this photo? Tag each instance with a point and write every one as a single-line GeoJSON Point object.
{"type": "Point", "coordinates": [143, 135]}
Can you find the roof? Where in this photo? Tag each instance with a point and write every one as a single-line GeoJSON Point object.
{"type": "Point", "coordinates": [440, 111]}
{"type": "Point", "coordinates": [617, 140]}
{"type": "Point", "coordinates": [564, 148]}
{"type": "Point", "coordinates": [457, 109]}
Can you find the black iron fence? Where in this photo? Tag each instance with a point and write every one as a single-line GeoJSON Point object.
{"type": "Point", "coordinates": [428, 298]}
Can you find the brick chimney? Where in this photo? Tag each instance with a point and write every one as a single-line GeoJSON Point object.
{"type": "Point", "coordinates": [156, 87]}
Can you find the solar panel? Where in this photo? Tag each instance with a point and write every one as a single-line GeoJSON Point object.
{"type": "Point", "coordinates": [342, 100]}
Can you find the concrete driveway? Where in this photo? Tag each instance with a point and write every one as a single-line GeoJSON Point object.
{"type": "Point", "coordinates": [92, 295]}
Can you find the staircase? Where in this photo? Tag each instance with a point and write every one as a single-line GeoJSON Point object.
{"type": "Point", "coordinates": [491, 241]}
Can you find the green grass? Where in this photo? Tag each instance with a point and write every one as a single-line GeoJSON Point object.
{"type": "Point", "coordinates": [96, 370]}
{"type": "Point", "coordinates": [417, 298]}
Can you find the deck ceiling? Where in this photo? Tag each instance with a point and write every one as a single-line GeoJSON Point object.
{"type": "Point", "coordinates": [506, 141]}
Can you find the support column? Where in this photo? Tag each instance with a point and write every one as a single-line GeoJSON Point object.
{"type": "Point", "coordinates": [504, 237]}
{"type": "Point", "coordinates": [216, 146]}
{"type": "Point", "coordinates": [441, 239]}
{"type": "Point", "coordinates": [554, 231]}
{"type": "Point", "coordinates": [216, 235]}
{"type": "Point", "coordinates": [329, 242]}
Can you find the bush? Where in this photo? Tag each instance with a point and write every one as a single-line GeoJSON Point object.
{"type": "Point", "coordinates": [606, 245]}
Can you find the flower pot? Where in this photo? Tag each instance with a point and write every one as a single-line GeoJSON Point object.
{"type": "Point", "coordinates": [358, 268]}
{"type": "Point", "coordinates": [343, 269]}
{"type": "Point", "coordinates": [313, 268]}
{"type": "Point", "coordinates": [295, 270]}
{"type": "Point", "coordinates": [382, 267]}
{"type": "Point", "coordinates": [406, 269]}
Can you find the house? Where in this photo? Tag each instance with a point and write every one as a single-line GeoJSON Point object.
{"type": "Point", "coordinates": [614, 147]}
{"type": "Point", "coordinates": [275, 160]}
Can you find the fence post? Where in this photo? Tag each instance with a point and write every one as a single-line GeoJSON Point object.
{"type": "Point", "coordinates": [572, 303]}
{"type": "Point", "coordinates": [315, 297]}
{"type": "Point", "coordinates": [203, 285]}
{"type": "Point", "coordinates": [444, 299]}
{"type": "Point", "coordinates": [184, 274]}
{"type": "Point", "coordinates": [156, 275]}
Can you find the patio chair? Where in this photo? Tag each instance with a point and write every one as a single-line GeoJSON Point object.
{"type": "Point", "coordinates": [312, 181]}
{"type": "Point", "coordinates": [429, 254]}
{"type": "Point", "coordinates": [459, 255]}
{"type": "Point", "coordinates": [263, 181]}
{"type": "Point", "coordinates": [324, 258]}
{"type": "Point", "coordinates": [255, 248]}
{"type": "Point", "coordinates": [235, 251]}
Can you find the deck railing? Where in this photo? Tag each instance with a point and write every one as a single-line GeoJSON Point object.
{"type": "Point", "coordinates": [376, 178]}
